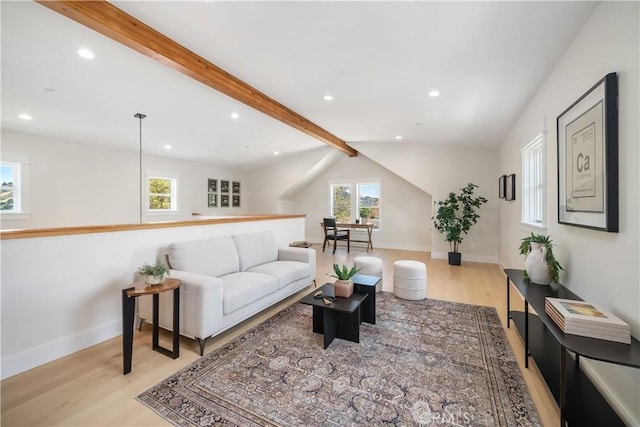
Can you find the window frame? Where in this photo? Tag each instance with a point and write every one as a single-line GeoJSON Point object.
{"type": "Point", "coordinates": [331, 199]}
{"type": "Point", "coordinates": [20, 188]}
{"type": "Point", "coordinates": [534, 183]}
{"type": "Point", "coordinates": [354, 185]}
{"type": "Point", "coordinates": [173, 178]}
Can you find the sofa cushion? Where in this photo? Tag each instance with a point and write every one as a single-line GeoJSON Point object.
{"type": "Point", "coordinates": [212, 257]}
{"type": "Point", "coordinates": [286, 272]}
{"type": "Point", "coordinates": [255, 248]}
{"type": "Point", "coordinates": [240, 289]}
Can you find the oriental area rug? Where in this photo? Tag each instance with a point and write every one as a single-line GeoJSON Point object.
{"type": "Point", "coordinates": [425, 362]}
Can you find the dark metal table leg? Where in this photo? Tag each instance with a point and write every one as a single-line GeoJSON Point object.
{"type": "Point", "coordinates": [526, 334]}
{"type": "Point", "coordinates": [128, 311]}
{"type": "Point", "coordinates": [156, 320]}
{"type": "Point", "coordinates": [563, 386]}
{"type": "Point", "coordinates": [176, 323]}
{"type": "Point", "coordinates": [508, 303]}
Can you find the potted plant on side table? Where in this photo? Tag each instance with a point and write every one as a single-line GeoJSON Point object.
{"type": "Point", "coordinates": [456, 214]}
{"type": "Point", "coordinates": [343, 286]}
{"type": "Point", "coordinates": [154, 274]}
{"type": "Point", "coordinates": [542, 267]}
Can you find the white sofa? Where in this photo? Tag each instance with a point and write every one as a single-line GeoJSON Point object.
{"type": "Point", "coordinates": [226, 280]}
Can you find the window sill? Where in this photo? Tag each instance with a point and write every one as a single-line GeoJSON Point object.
{"type": "Point", "coordinates": [158, 212]}
{"type": "Point", "coordinates": [534, 226]}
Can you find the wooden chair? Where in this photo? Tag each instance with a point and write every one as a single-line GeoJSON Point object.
{"type": "Point", "coordinates": [331, 232]}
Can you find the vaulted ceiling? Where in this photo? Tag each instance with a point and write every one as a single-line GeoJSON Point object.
{"type": "Point", "coordinates": [378, 60]}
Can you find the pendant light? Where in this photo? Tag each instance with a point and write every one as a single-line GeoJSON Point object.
{"type": "Point", "coordinates": [140, 116]}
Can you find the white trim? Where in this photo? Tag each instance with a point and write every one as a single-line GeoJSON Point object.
{"type": "Point", "coordinates": [47, 352]}
{"type": "Point", "coordinates": [534, 151]}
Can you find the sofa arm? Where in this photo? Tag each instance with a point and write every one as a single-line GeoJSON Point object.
{"type": "Point", "coordinates": [305, 255]}
{"type": "Point", "coordinates": [200, 304]}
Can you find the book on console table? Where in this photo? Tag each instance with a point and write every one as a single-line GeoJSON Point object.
{"type": "Point", "coordinates": [586, 319]}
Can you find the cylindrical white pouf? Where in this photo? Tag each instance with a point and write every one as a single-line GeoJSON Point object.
{"type": "Point", "coordinates": [370, 266]}
{"type": "Point", "coordinates": [410, 280]}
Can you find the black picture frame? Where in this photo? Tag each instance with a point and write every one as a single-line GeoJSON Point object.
{"type": "Point", "coordinates": [235, 201]}
{"type": "Point", "coordinates": [212, 185]}
{"type": "Point", "coordinates": [224, 200]}
{"type": "Point", "coordinates": [212, 200]}
{"type": "Point", "coordinates": [235, 187]}
{"type": "Point", "coordinates": [502, 187]}
{"type": "Point", "coordinates": [510, 188]}
{"type": "Point", "coordinates": [588, 165]}
{"type": "Point", "coordinates": [224, 186]}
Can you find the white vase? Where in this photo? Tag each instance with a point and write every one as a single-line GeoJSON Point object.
{"type": "Point", "coordinates": [536, 265]}
{"type": "Point", "coordinates": [155, 280]}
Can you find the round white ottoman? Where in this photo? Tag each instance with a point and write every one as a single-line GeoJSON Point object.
{"type": "Point", "coordinates": [371, 266]}
{"type": "Point", "coordinates": [410, 280]}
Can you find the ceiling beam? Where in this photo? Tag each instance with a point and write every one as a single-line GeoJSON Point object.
{"type": "Point", "coordinates": [112, 22]}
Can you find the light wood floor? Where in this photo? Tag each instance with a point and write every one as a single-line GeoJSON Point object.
{"type": "Point", "coordinates": [88, 388]}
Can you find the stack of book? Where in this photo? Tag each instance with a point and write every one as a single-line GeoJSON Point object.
{"type": "Point", "coordinates": [585, 319]}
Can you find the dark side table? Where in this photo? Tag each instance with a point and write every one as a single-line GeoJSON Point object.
{"type": "Point", "coordinates": [364, 284]}
{"type": "Point", "coordinates": [129, 296]}
{"type": "Point", "coordinates": [340, 319]}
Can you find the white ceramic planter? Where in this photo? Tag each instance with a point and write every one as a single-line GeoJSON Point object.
{"type": "Point", "coordinates": [536, 265]}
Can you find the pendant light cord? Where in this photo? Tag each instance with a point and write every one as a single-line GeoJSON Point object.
{"type": "Point", "coordinates": [140, 117]}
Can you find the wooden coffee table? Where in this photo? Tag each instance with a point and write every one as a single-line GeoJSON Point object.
{"type": "Point", "coordinates": [340, 319]}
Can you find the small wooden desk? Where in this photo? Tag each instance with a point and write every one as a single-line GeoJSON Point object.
{"type": "Point", "coordinates": [368, 227]}
{"type": "Point", "coordinates": [129, 296]}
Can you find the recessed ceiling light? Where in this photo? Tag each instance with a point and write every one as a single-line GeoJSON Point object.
{"type": "Point", "coordinates": [167, 147]}
{"type": "Point", "coordinates": [398, 136]}
{"type": "Point", "coordinates": [434, 93]}
{"type": "Point", "coordinates": [24, 116]}
{"type": "Point", "coordinates": [86, 53]}
{"type": "Point", "coordinates": [235, 116]}
{"type": "Point", "coordinates": [327, 97]}
{"type": "Point", "coordinates": [275, 153]}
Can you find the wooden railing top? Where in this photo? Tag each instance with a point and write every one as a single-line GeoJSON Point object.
{"type": "Point", "coordinates": [90, 229]}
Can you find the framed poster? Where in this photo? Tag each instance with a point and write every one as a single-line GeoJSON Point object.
{"type": "Point", "coordinates": [212, 185]}
{"type": "Point", "coordinates": [510, 187]}
{"type": "Point", "coordinates": [502, 186]}
{"type": "Point", "coordinates": [224, 200]}
{"type": "Point", "coordinates": [224, 186]}
{"type": "Point", "coordinates": [235, 201]}
{"type": "Point", "coordinates": [212, 200]}
{"type": "Point", "coordinates": [235, 187]}
{"type": "Point", "coordinates": [588, 159]}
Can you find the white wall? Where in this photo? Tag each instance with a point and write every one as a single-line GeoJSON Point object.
{"type": "Point", "coordinates": [73, 184]}
{"type": "Point", "coordinates": [62, 294]}
{"type": "Point", "coordinates": [405, 209]}
{"type": "Point", "coordinates": [438, 170]}
{"type": "Point", "coordinates": [600, 267]}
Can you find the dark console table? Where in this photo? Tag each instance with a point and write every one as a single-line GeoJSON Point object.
{"type": "Point", "coordinates": [580, 402]}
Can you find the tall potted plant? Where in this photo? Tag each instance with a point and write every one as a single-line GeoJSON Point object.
{"type": "Point", "coordinates": [455, 216]}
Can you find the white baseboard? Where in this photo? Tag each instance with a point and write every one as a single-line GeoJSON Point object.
{"type": "Point", "coordinates": [467, 257]}
{"type": "Point", "coordinates": [44, 353]}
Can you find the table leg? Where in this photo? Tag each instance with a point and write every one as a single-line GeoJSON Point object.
{"type": "Point", "coordinates": [526, 334]}
{"type": "Point", "coordinates": [128, 311]}
{"type": "Point", "coordinates": [329, 326]}
{"type": "Point", "coordinates": [176, 323]}
{"type": "Point", "coordinates": [508, 303]}
{"type": "Point", "coordinates": [156, 320]}
{"type": "Point", "coordinates": [369, 231]}
{"type": "Point", "coordinates": [563, 386]}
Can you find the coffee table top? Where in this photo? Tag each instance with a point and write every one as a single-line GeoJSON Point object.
{"type": "Point", "coordinates": [366, 280]}
{"type": "Point", "coordinates": [348, 305]}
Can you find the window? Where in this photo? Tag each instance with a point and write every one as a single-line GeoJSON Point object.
{"type": "Point", "coordinates": [348, 206]}
{"type": "Point", "coordinates": [162, 194]}
{"type": "Point", "coordinates": [341, 202]}
{"type": "Point", "coordinates": [10, 193]}
{"type": "Point", "coordinates": [533, 173]}
{"type": "Point", "coordinates": [369, 202]}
